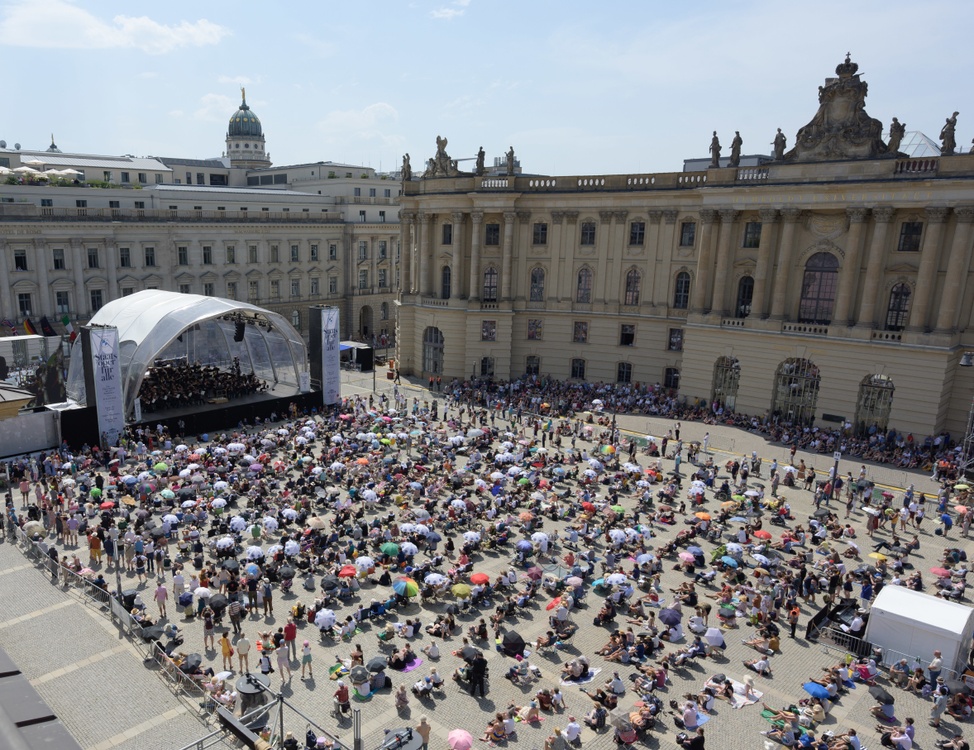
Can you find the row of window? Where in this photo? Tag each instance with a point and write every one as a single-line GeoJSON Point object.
{"type": "Point", "coordinates": [21, 258]}
{"type": "Point", "coordinates": [627, 333]}
{"type": "Point", "coordinates": [909, 239]}
{"type": "Point", "coordinates": [386, 193]}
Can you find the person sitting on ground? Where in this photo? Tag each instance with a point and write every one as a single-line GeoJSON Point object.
{"type": "Point", "coordinates": [495, 730]}
{"type": "Point", "coordinates": [603, 696]}
{"type": "Point", "coordinates": [595, 718]}
{"type": "Point", "coordinates": [917, 681]}
{"type": "Point", "coordinates": [761, 665]}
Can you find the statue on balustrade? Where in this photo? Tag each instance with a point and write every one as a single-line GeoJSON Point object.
{"type": "Point", "coordinates": [407, 170]}
{"type": "Point", "coordinates": [780, 143]}
{"type": "Point", "coordinates": [510, 160]}
{"type": "Point", "coordinates": [897, 130]}
{"type": "Point", "coordinates": [714, 151]}
{"type": "Point", "coordinates": [441, 165]}
{"type": "Point", "coordinates": [480, 162]}
{"type": "Point", "coordinates": [841, 129]}
{"type": "Point", "coordinates": [947, 137]}
{"type": "Point", "coordinates": [735, 156]}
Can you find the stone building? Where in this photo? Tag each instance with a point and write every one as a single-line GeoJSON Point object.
{"type": "Point", "coordinates": [78, 230]}
{"type": "Point", "coordinates": [828, 286]}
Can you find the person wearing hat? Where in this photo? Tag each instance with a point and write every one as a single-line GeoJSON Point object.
{"type": "Point", "coordinates": [290, 742]}
{"type": "Point", "coordinates": [423, 730]}
{"type": "Point", "coordinates": [342, 698]}
{"type": "Point", "coordinates": [573, 731]}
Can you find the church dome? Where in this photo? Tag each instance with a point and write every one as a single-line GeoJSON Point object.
{"type": "Point", "coordinates": [244, 122]}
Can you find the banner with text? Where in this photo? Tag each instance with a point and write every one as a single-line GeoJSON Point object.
{"type": "Point", "coordinates": [108, 382]}
{"type": "Point", "coordinates": [331, 366]}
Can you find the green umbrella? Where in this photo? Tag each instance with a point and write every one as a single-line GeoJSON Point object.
{"type": "Point", "coordinates": [390, 549]}
{"type": "Point", "coordinates": [161, 466]}
{"type": "Point", "coordinates": [95, 492]}
{"type": "Point", "coordinates": [523, 480]}
{"type": "Point", "coordinates": [168, 494]}
{"type": "Point", "coordinates": [461, 590]}
{"type": "Point", "coordinates": [618, 508]}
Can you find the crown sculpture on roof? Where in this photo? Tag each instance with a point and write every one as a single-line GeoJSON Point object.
{"type": "Point", "coordinates": [441, 165]}
{"type": "Point", "coordinates": [841, 129]}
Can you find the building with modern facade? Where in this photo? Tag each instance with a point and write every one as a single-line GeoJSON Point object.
{"type": "Point", "coordinates": [79, 230]}
{"type": "Point", "coordinates": [829, 286]}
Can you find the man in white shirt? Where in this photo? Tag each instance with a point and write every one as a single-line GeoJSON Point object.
{"type": "Point", "coordinates": [616, 685]}
{"type": "Point", "coordinates": [572, 730]}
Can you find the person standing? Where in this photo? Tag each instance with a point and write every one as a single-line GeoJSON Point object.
{"type": "Point", "coordinates": [268, 598]}
{"type": "Point", "coordinates": [243, 654]}
{"type": "Point", "coordinates": [290, 638]}
{"type": "Point", "coordinates": [234, 611]}
{"type": "Point", "coordinates": [284, 664]}
{"type": "Point", "coordinates": [306, 660]}
{"type": "Point", "coordinates": [423, 730]}
{"type": "Point", "coordinates": [161, 595]}
{"type": "Point", "coordinates": [793, 614]}
{"type": "Point", "coordinates": [706, 442]}
{"type": "Point", "coordinates": [226, 650]}
{"type": "Point", "coordinates": [478, 672]}
{"type": "Point", "coordinates": [934, 667]}
{"type": "Point", "coordinates": [939, 704]}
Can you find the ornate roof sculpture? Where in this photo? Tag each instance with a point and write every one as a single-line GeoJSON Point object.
{"type": "Point", "coordinates": [841, 129]}
{"type": "Point", "coordinates": [244, 122]}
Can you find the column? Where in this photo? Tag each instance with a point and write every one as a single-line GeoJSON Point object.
{"type": "Point", "coordinates": [522, 273]}
{"type": "Point", "coordinates": [77, 268]}
{"type": "Point", "coordinates": [875, 264]}
{"type": "Point", "coordinates": [569, 244]}
{"type": "Point", "coordinates": [424, 259]}
{"type": "Point", "coordinates": [929, 265]}
{"type": "Point", "coordinates": [779, 301]}
{"type": "Point", "coordinates": [614, 285]}
{"type": "Point", "coordinates": [6, 299]}
{"type": "Point", "coordinates": [849, 280]}
{"type": "Point", "coordinates": [553, 286]}
{"type": "Point", "coordinates": [649, 294]}
{"type": "Point", "coordinates": [957, 269]}
{"type": "Point", "coordinates": [45, 306]}
{"type": "Point", "coordinates": [476, 221]}
{"type": "Point", "coordinates": [664, 258]}
{"type": "Point", "coordinates": [405, 251]}
{"type": "Point", "coordinates": [373, 264]}
{"type": "Point", "coordinates": [705, 260]}
{"type": "Point", "coordinates": [507, 257]}
{"type": "Point", "coordinates": [725, 255]}
{"type": "Point", "coordinates": [456, 261]}
{"type": "Point", "coordinates": [603, 253]}
{"type": "Point", "coordinates": [769, 221]}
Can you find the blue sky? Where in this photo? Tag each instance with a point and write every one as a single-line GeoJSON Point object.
{"type": "Point", "coordinates": [576, 87]}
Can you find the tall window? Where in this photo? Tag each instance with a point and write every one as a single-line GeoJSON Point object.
{"type": "Point", "coordinates": [637, 236]}
{"type": "Point", "coordinates": [253, 290]}
{"type": "Point", "coordinates": [231, 290]}
{"type": "Point", "coordinates": [446, 279]}
{"type": "Point", "coordinates": [447, 234]}
{"type": "Point", "coordinates": [363, 279]}
{"type": "Point", "coordinates": [150, 257]}
{"type": "Point", "coordinates": [688, 233]}
{"type": "Point", "coordinates": [20, 259]}
{"type": "Point", "coordinates": [537, 285]}
{"type": "Point", "coordinates": [624, 372]}
{"type": "Point", "coordinates": [795, 394]}
{"type": "Point", "coordinates": [296, 320]}
{"type": "Point", "coordinates": [58, 259]}
{"type": "Point", "coordinates": [182, 255]}
{"type": "Point", "coordinates": [671, 378]}
{"type": "Point", "coordinates": [384, 311]}
{"type": "Point", "coordinates": [433, 350]}
{"type": "Point", "coordinates": [632, 288]}
{"type": "Point", "coordinates": [727, 380]}
{"type": "Point", "coordinates": [535, 329]}
{"type": "Point", "coordinates": [578, 369]}
{"type": "Point", "coordinates": [681, 291]}
{"type": "Point", "coordinates": [540, 234]}
{"type": "Point", "coordinates": [124, 257]}
{"type": "Point", "coordinates": [295, 253]}
{"type": "Point", "coordinates": [252, 253]}
{"type": "Point", "coordinates": [92, 258]}
{"type": "Point", "coordinates": [315, 286]}
{"type": "Point", "coordinates": [383, 278]}
{"type": "Point", "coordinates": [532, 365]}
{"type": "Point", "coordinates": [745, 293]}
{"type": "Point", "coordinates": [487, 367]}
{"type": "Point", "coordinates": [492, 234]}
{"type": "Point", "coordinates": [580, 332]}
{"type": "Point", "coordinates": [207, 255]}
{"type": "Point", "coordinates": [898, 311]}
{"type": "Point", "coordinates": [314, 252]}
{"type": "Point", "coordinates": [752, 234]}
{"type": "Point", "coordinates": [583, 288]}
{"type": "Point", "coordinates": [490, 285]}
{"type": "Point", "coordinates": [818, 289]}
{"type": "Point", "coordinates": [874, 404]}
{"type": "Point", "coordinates": [295, 288]}
{"type": "Point", "coordinates": [627, 334]}
{"type": "Point", "coordinates": [910, 234]}
{"type": "Point", "coordinates": [25, 303]}
{"type": "Point", "coordinates": [231, 255]}
{"type": "Point", "coordinates": [62, 301]}
{"type": "Point", "coordinates": [588, 233]}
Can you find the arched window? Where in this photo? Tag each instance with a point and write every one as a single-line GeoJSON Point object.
{"type": "Point", "coordinates": [632, 289]}
{"type": "Point", "coordinates": [583, 289]}
{"type": "Point", "coordinates": [795, 395]}
{"type": "Point", "coordinates": [537, 285]}
{"type": "Point", "coordinates": [727, 379]}
{"type": "Point", "coordinates": [446, 279]}
{"type": "Point", "coordinates": [671, 378]}
{"type": "Point", "coordinates": [296, 320]}
{"type": "Point", "coordinates": [681, 291]}
{"type": "Point", "coordinates": [490, 285]}
{"type": "Point", "coordinates": [578, 369]}
{"type": "Point", "coordinates": [384, 311]}
{"type": "Point", "coordinates": [433, 350]}
{"type": "Point", "coordinates": [745, 293]}
{"type": "Point", "coordinates": [818, 289]}
{"type": "Point", "coordinates": [532, 365]}
{"type": "Point", "coordinates": [624, 372]}
{"type": "Point", "coordinates": [874, 404]}
{"type": "Point", "coordinates": [898, 311]}
{"type": "Point", "coordinates": [487, 367]}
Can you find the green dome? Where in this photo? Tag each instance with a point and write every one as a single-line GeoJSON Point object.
{"type": "Point", "coordinates": [244, 122]}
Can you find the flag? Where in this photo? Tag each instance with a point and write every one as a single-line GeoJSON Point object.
{"type": "Point", "coordinates": [6, 322]}
{"type": "Point", "coordinates": [29, 327]}
{"type": "Point", "coordinates": [46, 328]}
{"type": "Point", "coordinates": [72, 334]}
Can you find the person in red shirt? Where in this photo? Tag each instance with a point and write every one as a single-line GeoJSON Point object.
{"type": "Point", "coordinates": [290, 638]}
{"type": "Point", "coordinates": [341, 697]}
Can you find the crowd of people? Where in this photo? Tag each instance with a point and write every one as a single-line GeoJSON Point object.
{"type": "Point", "coordinates": [405, 519]}
{"type": "Point", "coordinates": [177, 384]}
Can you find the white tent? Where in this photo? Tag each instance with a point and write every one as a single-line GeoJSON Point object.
{"type": "Point", "coordinates": [914, 624]}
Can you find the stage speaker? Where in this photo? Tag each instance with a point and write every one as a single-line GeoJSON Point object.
{"type": "Point", "coordinates": [238, 331]}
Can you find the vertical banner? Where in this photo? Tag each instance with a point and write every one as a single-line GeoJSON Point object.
{"type": "Point", "coordinates": [107, 371]}
{"type": "Point", "coordinates": [331, 371]}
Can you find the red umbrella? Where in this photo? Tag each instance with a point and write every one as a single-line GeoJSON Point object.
{"type": "Point", "coordinates": [762, 534]}
{"type": "Point", "coordinates": [480, 578]}
{"type": "Point", "coordinates": [348, 571]}
{"type": "Point", "coordinates": [588, 507]}
{"type": "Point", "coordinates": [534, 573]}
{"type": "Point", "coordinates": [940, 572]}
{"type": "Point", "coordinates": [107, 505]}
{"type": "Point", "coordinates": [553, 603]}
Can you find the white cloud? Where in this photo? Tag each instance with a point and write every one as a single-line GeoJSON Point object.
{"type": "Point", "coordinates": [56, 24]}
{"type": "Point", "coordinates": [215, 108]}
{"type": "Point", "coordinates": [238, 80]}
{"type": "Point", "coordinates": [372, 123]}
{"type": "Point", "coordinates": [448, 13]}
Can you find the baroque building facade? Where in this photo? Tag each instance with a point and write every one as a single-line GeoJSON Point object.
{"type": "Point", "coordinates": [79, 230]}
{"type": "Point", "coordinates": [829, 286]}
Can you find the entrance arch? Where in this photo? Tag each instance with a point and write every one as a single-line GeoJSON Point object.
{"type": "Point", "coordinates": [365, 329]}
{"type": "Point", "coordinates": [727, 380]}
{"type": "Point", "coordinates": [874, 404]}
{"type": "Point", "coordinates": [433, 351]}
{"type": "Point", "coordinates": [796, 386]}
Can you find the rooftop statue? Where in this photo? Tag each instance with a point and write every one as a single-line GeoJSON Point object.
{"type": "Point", "coordinates": [441, 165]}
{"type": "Point", "coordinates": [841, 129]}
{"type": "Point", "coordinates": [947, 136]}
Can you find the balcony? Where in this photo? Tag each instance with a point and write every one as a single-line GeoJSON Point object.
{"type": "Point", "coordinates": [27, 212]}
{"type": "Point", "coordinates": [805, 329]}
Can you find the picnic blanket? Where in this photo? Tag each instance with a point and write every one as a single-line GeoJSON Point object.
{"type": "Point", "coordinates": [584, 679]}
{"type": "Point", "coordinates": [414, 664]}
{"type": "Point", "coordinates": [738, 700]}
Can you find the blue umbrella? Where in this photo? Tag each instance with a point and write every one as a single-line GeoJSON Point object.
{"type": "Point", "coordinates": [598, 582]}
{"type": "Point", "coordinates": [433, 537]}
{"type": "Point", "coordinates": [415, 486]}
{"type": "Point", "coordinates": [738, 519]}
{"type": "Point", "coordinates": [524, 545]}
{"type": "Point", "coordinates": [815, 690]}
{"type": "Point", "coordinates": [728, 560]}
{"type": "Point", "coordinates": [669, 617]}
{"type": "Point", "coordinates": [695, 551]}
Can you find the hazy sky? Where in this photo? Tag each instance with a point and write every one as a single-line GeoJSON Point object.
{"type": "Point", "coordinates": [575, 87]}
